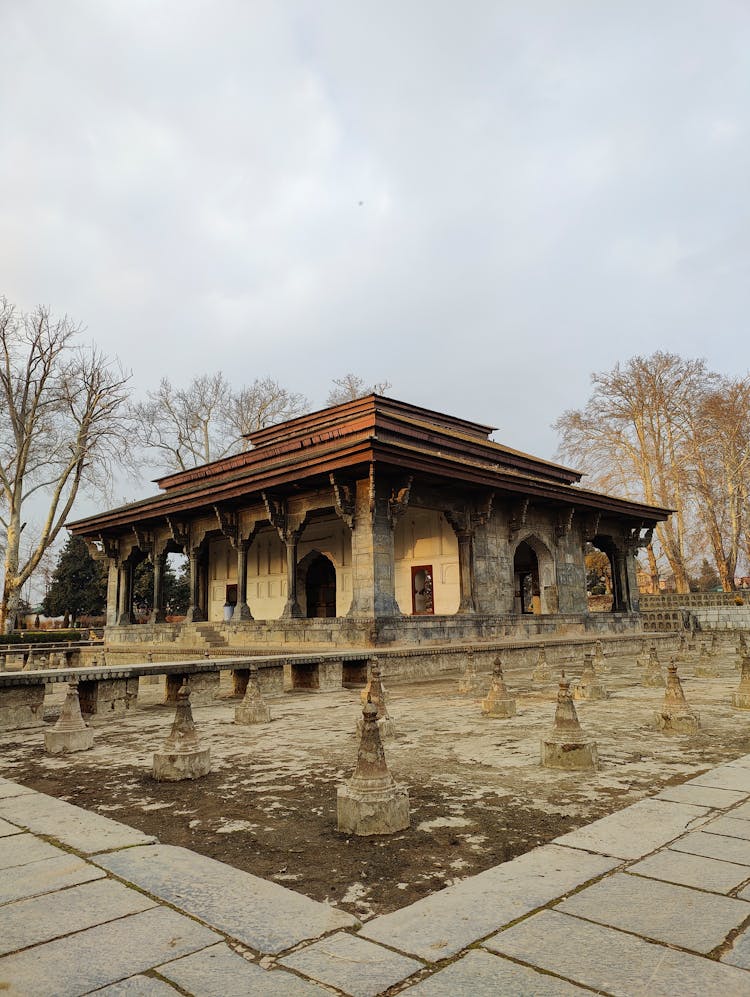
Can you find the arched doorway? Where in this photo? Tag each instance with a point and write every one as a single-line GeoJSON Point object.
{"type": "Point", "coordinates": [320, 587]}
{"type": "Point", "coordinates": [526, 580]}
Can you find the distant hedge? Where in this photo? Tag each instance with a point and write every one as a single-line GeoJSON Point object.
{"type": "Point", "coordinates": [43, 637]}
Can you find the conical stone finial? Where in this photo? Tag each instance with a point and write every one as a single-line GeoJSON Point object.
{"type": "Point", "coordinates": [469, 685]}
{"type": "Point", "coordinates": [599, 661]}
{"type": "Point", "coordinates": [498, 703]}
{"type": "Point", "coordinates": [371, 802]}
{"type": "Point", "coordinates": [741, 698]}
{"type": "Point", "coordinates": [741, 651]}
{"type": "Point", "coordinates": [542, 672]}
{"type": "Point", "coordinates": [643, 656]}
{"type": "Point", "coordinates": [377, 695]}
{"type": "Point", "coordinates": [566, 746]}
{"type": "Point", "coordinates": [182, 756]}
{"type": "Point", "coordinates": [705, 668]}
{"type": "Point", "coordinates": [675, 714]}
{"type": "Point", "coordinates": [653, 677]}
{"type": "Point", "coordinates": [589, 685]}
{"type": "Point", "coordinates": [253, 709]}
{"type": "Point", "coordinates": [70, 733]}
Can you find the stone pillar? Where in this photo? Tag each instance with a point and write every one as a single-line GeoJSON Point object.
{"type": "Point", "coordinates": [292, 609]}
{"type": "Point", "coordinates": [242, 610]}
{"type": "Point", "coordinates": [373, 583]}
{"type": "Point", "coordinates": [113, 575]}
{"type": "Point", "coordinates": [157, 613]}
{"type": "Point", "coordinates": [194, 614]}
{"type": "Point", "coordinates": [465, 542]}
{"type": "Point", "coordinates": [124, 614]}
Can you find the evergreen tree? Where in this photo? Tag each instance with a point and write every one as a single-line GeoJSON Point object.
{"type": "Point", "coordinates": [79, 583]}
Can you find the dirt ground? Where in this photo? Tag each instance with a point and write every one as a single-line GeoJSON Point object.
{"type": "Point", "coordinates": [478, 794]}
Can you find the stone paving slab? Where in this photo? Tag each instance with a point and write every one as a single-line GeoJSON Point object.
{"type": "Point", "coordinates": [69, 967]}
{"type": "Point", "coordinates": [30, 922]}
{"type": "Point", "coordinates": [267, 917]}
{"type": "Point", "coordinates": [702, 796]}
{"type": "Point", "coordinates": [358, 967]}
{"type": "Point", "coordinates": [692, 870]}
{"type": "Point", "coordinates": [20, 849]}
{"type": "Point", "coordinates": [729, 825]}
{"type": "Point", "coordinates": [739, 954]}
{"type": "Point", "coordinates": [9, 789]}
{"type": "Point", "coordinates": [742, 813]}
{"type": "Point", "coordinates": [613, 962]}
{"type": "Point", "coordinates": [72, 826]}
{"type": "Point", "coordinates": [46, 876]}
{"type": "Point", "coordinates": [220, 972]}
{"type": "Point", "coordinates": [443, 923]}
{"type": "Point", "coordinates": [637, 830]}
{"type": "Point", "coordinates": [725, 777]}
{"type": "Point", "coordinates": [480, 974]}
{"type": "Point", "coordinates": [715, 846]}
{"type": "Point", "coordinates": [7, 829]}
{"type": "Point", "coordinates": [137, 986]}
{"type": "Point", "coordinates": [661, 911]}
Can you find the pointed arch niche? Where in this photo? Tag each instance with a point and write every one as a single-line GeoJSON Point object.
{"type": "Point", "coordinates": [533, 575]}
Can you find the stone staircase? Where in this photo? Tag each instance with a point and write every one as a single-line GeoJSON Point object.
{"type": "Point", "coordinates": [201, 635]}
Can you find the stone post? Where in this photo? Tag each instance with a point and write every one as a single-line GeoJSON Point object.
{"type": "Point", "coordinates": [589, 685]}
{"type": "Point", "coordinates": [70, 733]}
{"type": "Point", "coordinates": [371, 802]}
{"type": "Point", "coordinates": [375, 693]}
{"type": "Point", "coordinates": [242, 610]}
{"type": "Point", "coordinates": [675, 714]}
{"type": "Point", "coordinates": [566, 746]}
{"type": "Point", "coordinates": [124, 614]}
{"type": "Point", "coordinates": [741, 698]}
{"type": "Point", "coordinates": [252, 709]}
{"type": "Point", "coordinates": [194, 614]}
{"type": "Point", "coordinates": [498, 703]}
{"type": "Point", "coordinates": [157, 613]}
{"type": "Point", "coordinates": [373, 581]}
{"type": "Point", "coordinates": [469, 685]}
{"type": "Point", "coordinates": [182, 755]}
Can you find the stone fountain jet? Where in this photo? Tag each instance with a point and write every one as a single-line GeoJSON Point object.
{"type": "Point", "coordinates": [377, 695]}
{"type": "Point", "coordinates": [589, 685]}
{"type": "Point", "coordinates": [70, 733]}
{"type": "Point", "coordinates": [182, 756]}
{"type": "Point", "coordinates": [654, 676]}
{"type": "Point", "coordinates": [498, 703]}
{"type": "Point", "coordinates": [741, 698]}
{"type": "Point", "coordinates": [542, 672]}
{"type": "Point", "coordinates": [566, 746]}
{"type": "Point", "coordinates": [470, 685]}
{"type": "Point", "coordinates": [675, 714]}
{"type": "Point", "coordinates": [371, 802]}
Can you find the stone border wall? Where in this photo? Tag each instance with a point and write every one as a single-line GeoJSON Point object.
{"type": "Point", "coordinates": [690, 600]}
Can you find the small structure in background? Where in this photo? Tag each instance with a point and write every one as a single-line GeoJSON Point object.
{"type": "Point", "coordinates": [741, 698]}
{"type": "Point", "coordinates": [542, 672]}
{"type": "Point", "coordinates": [675, 714]}
{"type": "Point", "coordinates": [705, 667]}
{"type": "Point", "coordinates": [644, 656]}
{"type": "Point", "coordinates": [376, 694]}
{"type": "Point", "coordinates": [654, 676]}
{"type": "Point", "coordinates": [371, 802]}
{"type": "Point", "coordinates": [566, 746]}
{"type": "Point", "coordinates": [70, 733]}
{"type": "Point", "coordinates": [253, 709]}
{"type": "Point", "coordinates": [589, 686]}
{"type": "Point", "coordinates": [599, 661]}
{"type": "Point", "coordinates": [182, 755]}
{"type": "Point", "coordinates": [498, 703]}
{"type": "Point", "coordinates": [469, 685]}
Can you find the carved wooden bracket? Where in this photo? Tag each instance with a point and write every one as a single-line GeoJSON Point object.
{"type": "Point", "coordinates": [398, 503]}
{"type": "Point", "coordinates": [343, 500]}
{"type": "Point", "coordinates": [109, 548]}
{"type": "Point", "coordinates": [481, 515]}
{"type": "Point", "coordinates": [278, 515]}
{"type": "Point", "coordinates": [144, 540]}
{"type": "Point", "coordinates": [517, 520]}
{"type": "Point", "coordinates": [228, 524]}
{"type": "Point", "coordinates": [179, 531]}
{"type": "Point", "coordinates": [634, 540]}
{"type": "Point", "coordinates": [564, 522]}
{"type": "Point", "coordinates": [591, 525]}
{"type": "Point", "coordinates": [460, 521]}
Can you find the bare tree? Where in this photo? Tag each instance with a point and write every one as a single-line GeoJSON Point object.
{"type": "Point", "coordinates": [61, 429]}
{"type": "Point", "coordinates": [351, 386]}
{"type": "Point", "coordinates": [631, 437]}
{"type": "Point", "coordinates": [207, 420]}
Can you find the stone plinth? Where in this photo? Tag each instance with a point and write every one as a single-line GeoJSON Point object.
{"type": "Point", "coordinates": [371, 802]}
{"type": "Point", "coordinates": [498, 704]}
{"type": "Point", "coordinates": [566, 746]}
{"type": "Point", "coordinates": [469, 685]}
{"type": "Point", "coordinates": [70, 733]}
{"type": "Point", "coordinates": [182, 756]}
{"type": "Point", "coordinates": [741, 698]}
{"type": "Point", "coordinates": [675, 714]}
{"type": "Point", "coordinates": [542, 671]}
{"type": "Point", "coordinates": [589, 685]}
{"type": "Point", "coordinates": [252, 709]}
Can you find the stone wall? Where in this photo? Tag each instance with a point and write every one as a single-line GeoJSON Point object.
{"type": "Point", "coordinates": [674, 600]}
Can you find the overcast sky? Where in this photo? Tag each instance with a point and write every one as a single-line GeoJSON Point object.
{"type": "Point", "coordinates": [479, 202]}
